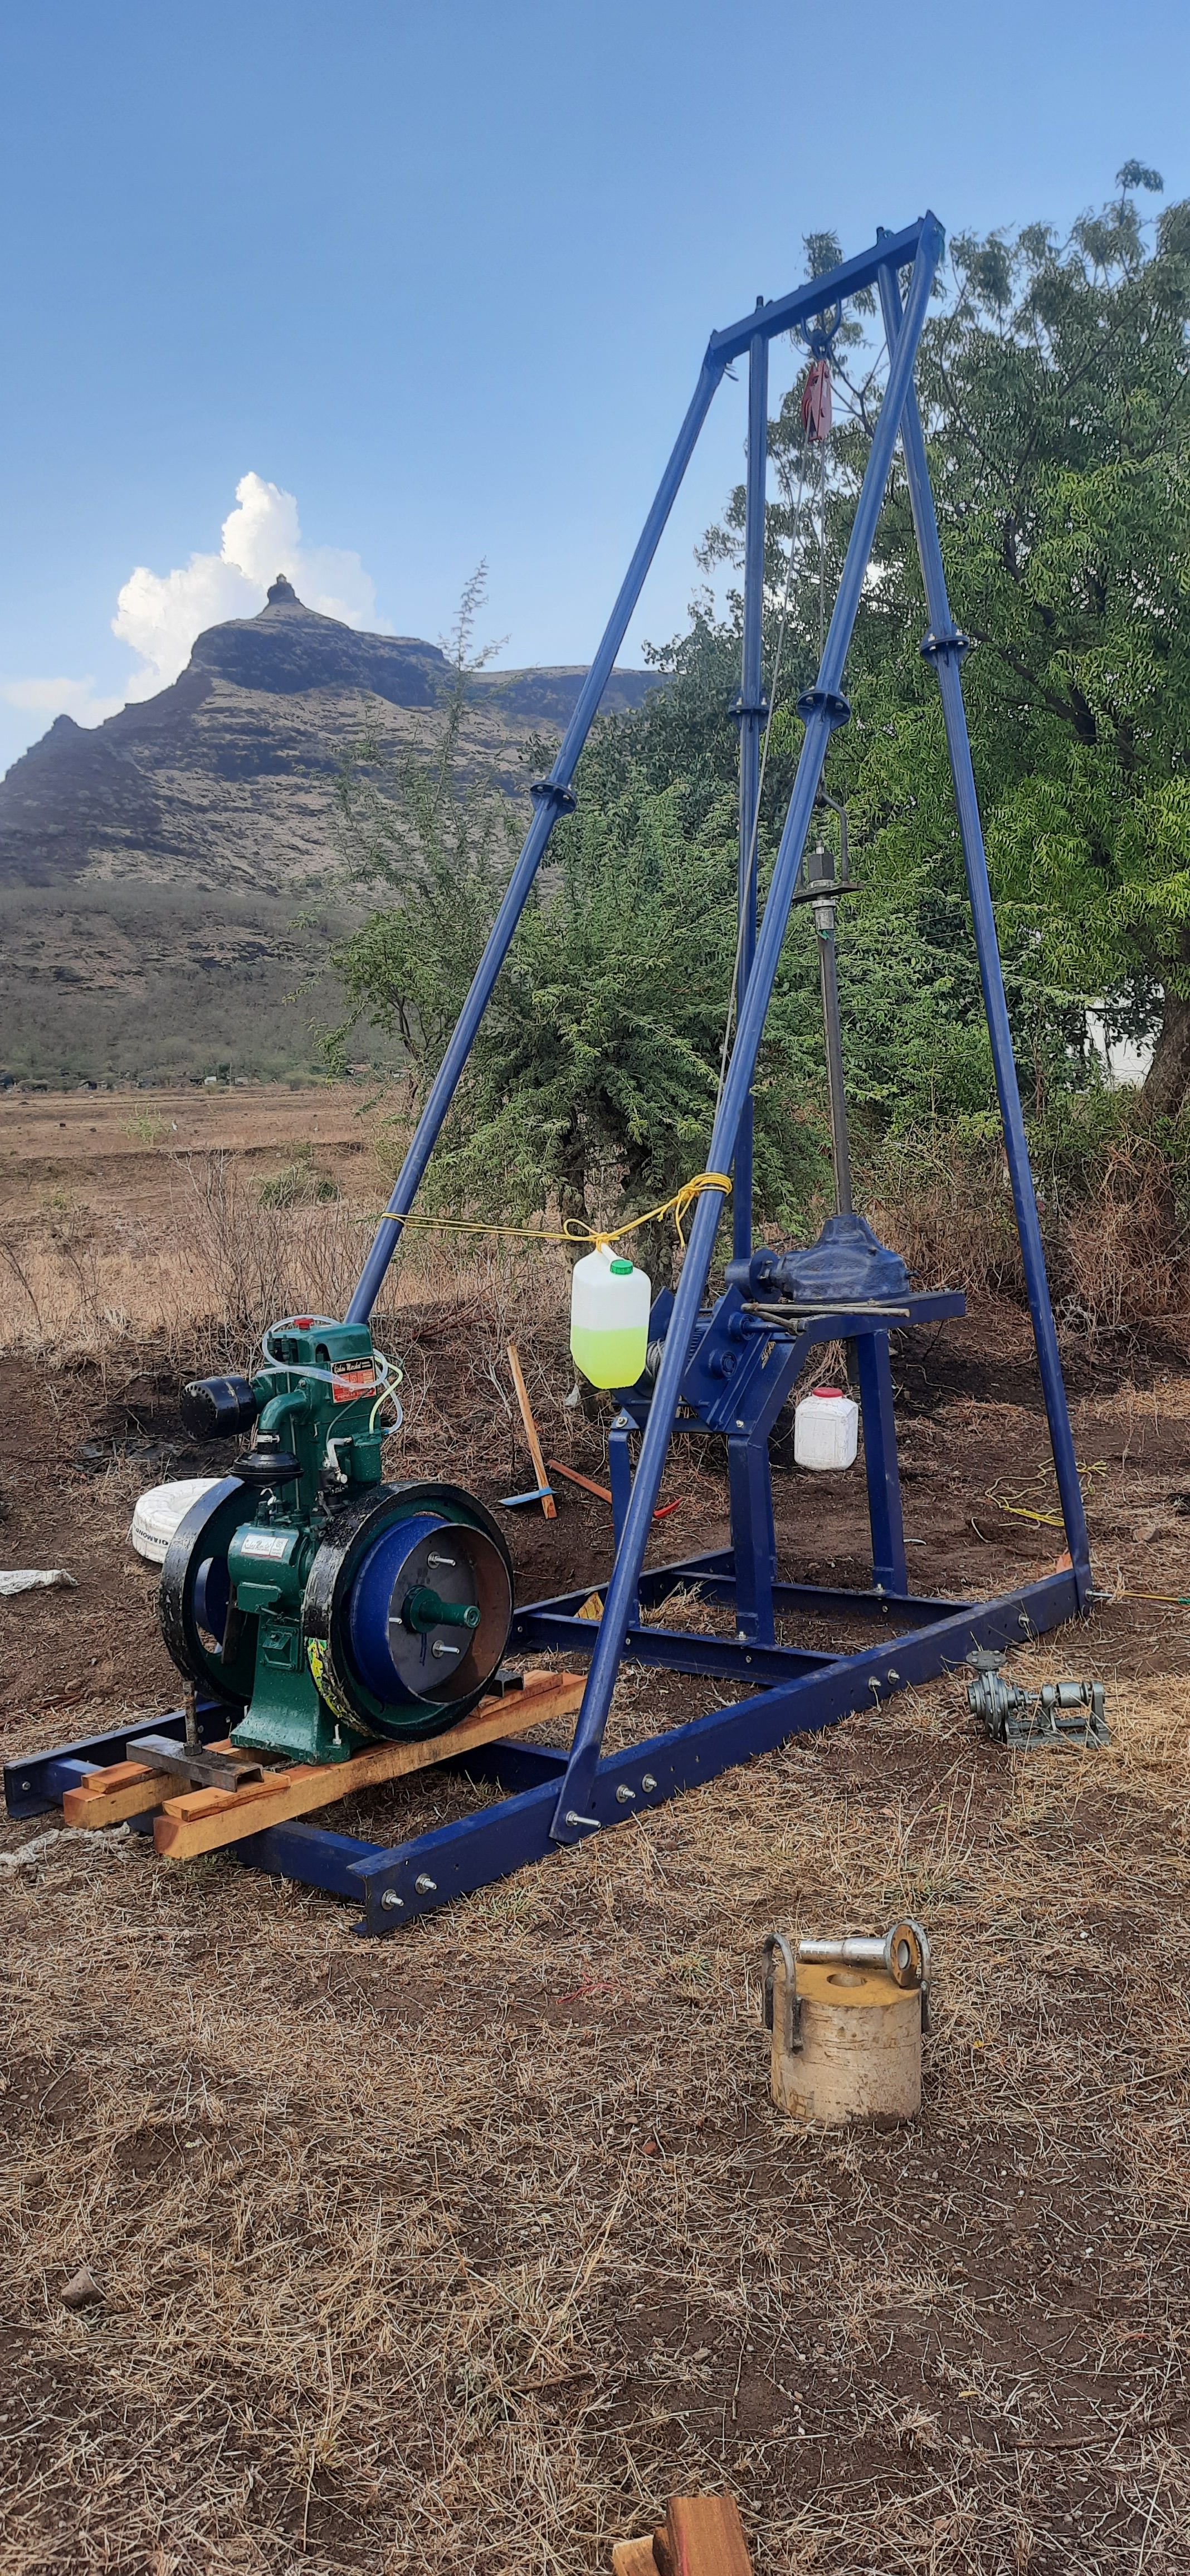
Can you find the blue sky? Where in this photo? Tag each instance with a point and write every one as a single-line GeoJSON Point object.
{"type": "Point", "coordinates": [442, 270]}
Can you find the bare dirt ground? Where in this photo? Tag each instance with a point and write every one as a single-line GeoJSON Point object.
{"type": "Point", "coordinates": [461, 2252]}
{"type": "Point", "coordinates": [93, 1143]}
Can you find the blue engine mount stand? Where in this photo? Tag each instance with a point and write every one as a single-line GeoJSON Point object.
{"type": "Point", "coordinates": [726, 1369]}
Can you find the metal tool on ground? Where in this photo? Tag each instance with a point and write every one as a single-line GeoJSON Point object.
{"type": "Point", "coordinates": [1070, 1716]}
{"type": "Point", "coordinates": [846, 2018]}
{"type": "Point", "coordinates": [318, 1608]}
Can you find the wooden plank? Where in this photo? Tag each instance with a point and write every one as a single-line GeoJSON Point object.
{"type": "Point", "coordinates": [601, 1492]}
{"type": "Point", "coordinates": [634, 2557]}
{"type": "Point", "coordinates": [123, 1789]}
{"type": "Point", "coordinates": [706, 2537]}
{"type": "Point", "coordinates": [602, 1495]}
{"type": "Point", "coordinates": [204, 1820]}
{"type": "Point", "coordinates": [548, 1504]}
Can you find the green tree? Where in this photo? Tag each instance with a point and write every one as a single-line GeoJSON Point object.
{"type": "Point", "coordinates": [591, 1085]}
{"type": "Point", "coordinates": [1056, 394]}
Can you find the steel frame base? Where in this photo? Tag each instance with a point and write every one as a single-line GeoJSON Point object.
{"type": "Point", "coordinates": [800, 1692]}
{"type": "Point", "coordinates": [729, 1371]}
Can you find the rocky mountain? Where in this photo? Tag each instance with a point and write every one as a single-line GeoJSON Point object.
{"type": "Point", "coordinates": [170, 885]}
{"type": "Point", "coordinates": [226, 779]}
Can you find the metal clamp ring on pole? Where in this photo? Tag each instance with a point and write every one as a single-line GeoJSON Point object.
{"type": "Point", "coordinates": [829, 702]}
{"type": "Point", "coordinates": [934, 647]}
{"type": "Point", "coordinates": [549, 791]}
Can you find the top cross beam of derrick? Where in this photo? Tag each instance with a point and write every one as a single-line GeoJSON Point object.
{"type": "Point", "coordinates": [896, 250]}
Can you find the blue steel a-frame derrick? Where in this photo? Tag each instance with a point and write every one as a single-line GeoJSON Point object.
{"type": "Point", "coordinates": [726, 1370]}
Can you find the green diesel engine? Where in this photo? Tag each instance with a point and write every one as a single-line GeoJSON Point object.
{"type": "Point", "coordinates": [329, 1608]}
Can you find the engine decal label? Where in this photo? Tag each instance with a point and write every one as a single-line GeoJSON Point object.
{"type": "Point", "coordinates": [265, 1542]}
{"type": "Point", "coordinates": [351, 1383]}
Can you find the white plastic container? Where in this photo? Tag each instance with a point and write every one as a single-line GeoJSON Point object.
{"type": "Point", "coordinates": [609, 1318]}
{"type": "Point", "coordinates": [159, 1511]}
{"type": "Point", "coordinates": [826, 1429]}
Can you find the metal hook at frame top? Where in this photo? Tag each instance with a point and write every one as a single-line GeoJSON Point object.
{"type": "Point", "coordinates": [820, 333]}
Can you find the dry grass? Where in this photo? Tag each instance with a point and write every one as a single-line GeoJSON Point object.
{"type": "Point", "coordinates": [204, 1272]}
{"type": "Point", "coordinates": [1121, 1255]}
{"type": "Point", "coordinates": [456, 2255]}
{"type": "Point", "coordinates": [212, 1216]}
{"type": "Point", "coordinates": [1115, 1250]}
{"type": "Point", "coordinates": [464, 2252]}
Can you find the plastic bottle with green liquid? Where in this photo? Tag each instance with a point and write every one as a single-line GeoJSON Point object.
{"type": "Point", "coordinates": [609, 1318]}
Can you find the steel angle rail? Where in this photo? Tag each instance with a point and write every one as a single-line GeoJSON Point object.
{"type": "Point", "coordinates": [449, 1861]}
{"type": "Point", "coordinates": [552, 796]}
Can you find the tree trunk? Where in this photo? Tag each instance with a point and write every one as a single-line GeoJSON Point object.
{"type": "Point", "coordinates": [1168, 1079]}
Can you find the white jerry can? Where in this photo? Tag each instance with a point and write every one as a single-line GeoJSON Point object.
{"type": "Point", "coordinates": [609, 1318]}
{"type": "Point", "coordinates": [826, 1429]}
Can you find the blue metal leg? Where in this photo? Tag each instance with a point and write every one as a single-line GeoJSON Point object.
{"type": "Point", "coordinates": [880, 1461]}
{"type": "Point", "coordinates": [822, 708]}
{"type": "Point", "coordinates": [753, 1536]}
{"type": "Point", "coordinates": [946, 648]}
{"type": "Point", "coordinates": [750, 712]}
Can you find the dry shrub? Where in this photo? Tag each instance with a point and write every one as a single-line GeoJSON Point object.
{"type": "Point", "coordinates": [1119, 1254]}
{"type": "Point", "coordinates": [946, 1207]}
{"type": "Point", "coordinates": [256, 1261]}
{"type": "Point", "coordinates": [203, 1280]}
{"type": "Point", "coordinates": [225, 1256]}
{"type": "Point", "coordinates": [1110, 1228]}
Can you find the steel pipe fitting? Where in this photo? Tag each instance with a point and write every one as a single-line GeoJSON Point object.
{"type": "Point", "coordinates": [903, 1952]}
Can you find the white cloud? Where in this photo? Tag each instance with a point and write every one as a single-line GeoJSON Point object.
{"type": "Point", "coordinates": [59, 698]}
{"type": "Point", "coordinates": [159, 614]}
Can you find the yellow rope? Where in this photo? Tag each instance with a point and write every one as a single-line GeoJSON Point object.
{"type": "Point", "coordinates": [571, 1230]}
{"type": "Point", "coordinates": [1052, 1520]}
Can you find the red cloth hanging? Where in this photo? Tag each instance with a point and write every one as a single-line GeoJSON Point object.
{"type": "Point", "coordinates": [816, 402]}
